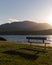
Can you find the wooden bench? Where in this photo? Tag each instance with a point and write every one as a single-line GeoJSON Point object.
{"type": "Point", "coordinates": [37, 38]}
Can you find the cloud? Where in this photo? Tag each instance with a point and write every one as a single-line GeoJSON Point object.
{"type": "Point", "coordinates": [12, 20]}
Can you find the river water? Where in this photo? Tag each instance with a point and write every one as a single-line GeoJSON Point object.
{"type": "Point", "coordinates": [22, 38]}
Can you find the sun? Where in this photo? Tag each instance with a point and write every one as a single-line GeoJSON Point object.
{"type": "Point", "coordinates": [49, 18]}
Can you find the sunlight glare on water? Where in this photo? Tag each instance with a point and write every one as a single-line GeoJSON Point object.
{"type": "Point", "coordinates": [49, 39]}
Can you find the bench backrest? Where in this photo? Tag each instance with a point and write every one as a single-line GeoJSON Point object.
{"type": "Point", "coordinates": [37, 38]}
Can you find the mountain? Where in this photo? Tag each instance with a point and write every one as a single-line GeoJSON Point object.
{"type": "Point", "coordinates": [44, 32]}
{"type": "Point", "coordinates": [24, 27]}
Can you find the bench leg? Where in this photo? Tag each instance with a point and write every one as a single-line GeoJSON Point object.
{"type": "Point", "coordinates": [28, 40]}
{"type": "Point", "coordinates": [43, 41]}
{"type": "Point", "coordinates": [44, 46]}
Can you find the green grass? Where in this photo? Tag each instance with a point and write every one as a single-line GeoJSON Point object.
{"type": "Point", "coordinates": [22, 54]}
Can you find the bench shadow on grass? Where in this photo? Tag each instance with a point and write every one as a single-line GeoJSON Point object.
{"type": "Point", "coordinates": [21, 54]}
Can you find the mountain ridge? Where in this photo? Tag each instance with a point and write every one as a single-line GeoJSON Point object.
{"type": "Point", "coordinates": [24, 26]}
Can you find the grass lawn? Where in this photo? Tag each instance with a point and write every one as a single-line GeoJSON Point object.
{"type": "Point", "coordinates": [23, 54]}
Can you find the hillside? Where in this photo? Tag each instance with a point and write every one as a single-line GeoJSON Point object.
{"type": "Point", "coordinates": [25, 27]}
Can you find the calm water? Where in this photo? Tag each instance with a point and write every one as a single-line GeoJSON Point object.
{"type": "Point", "coordinates": [22, 38]}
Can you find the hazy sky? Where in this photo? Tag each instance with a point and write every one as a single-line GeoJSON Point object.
{"type": "Point", "coordinates": [34, 10]}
